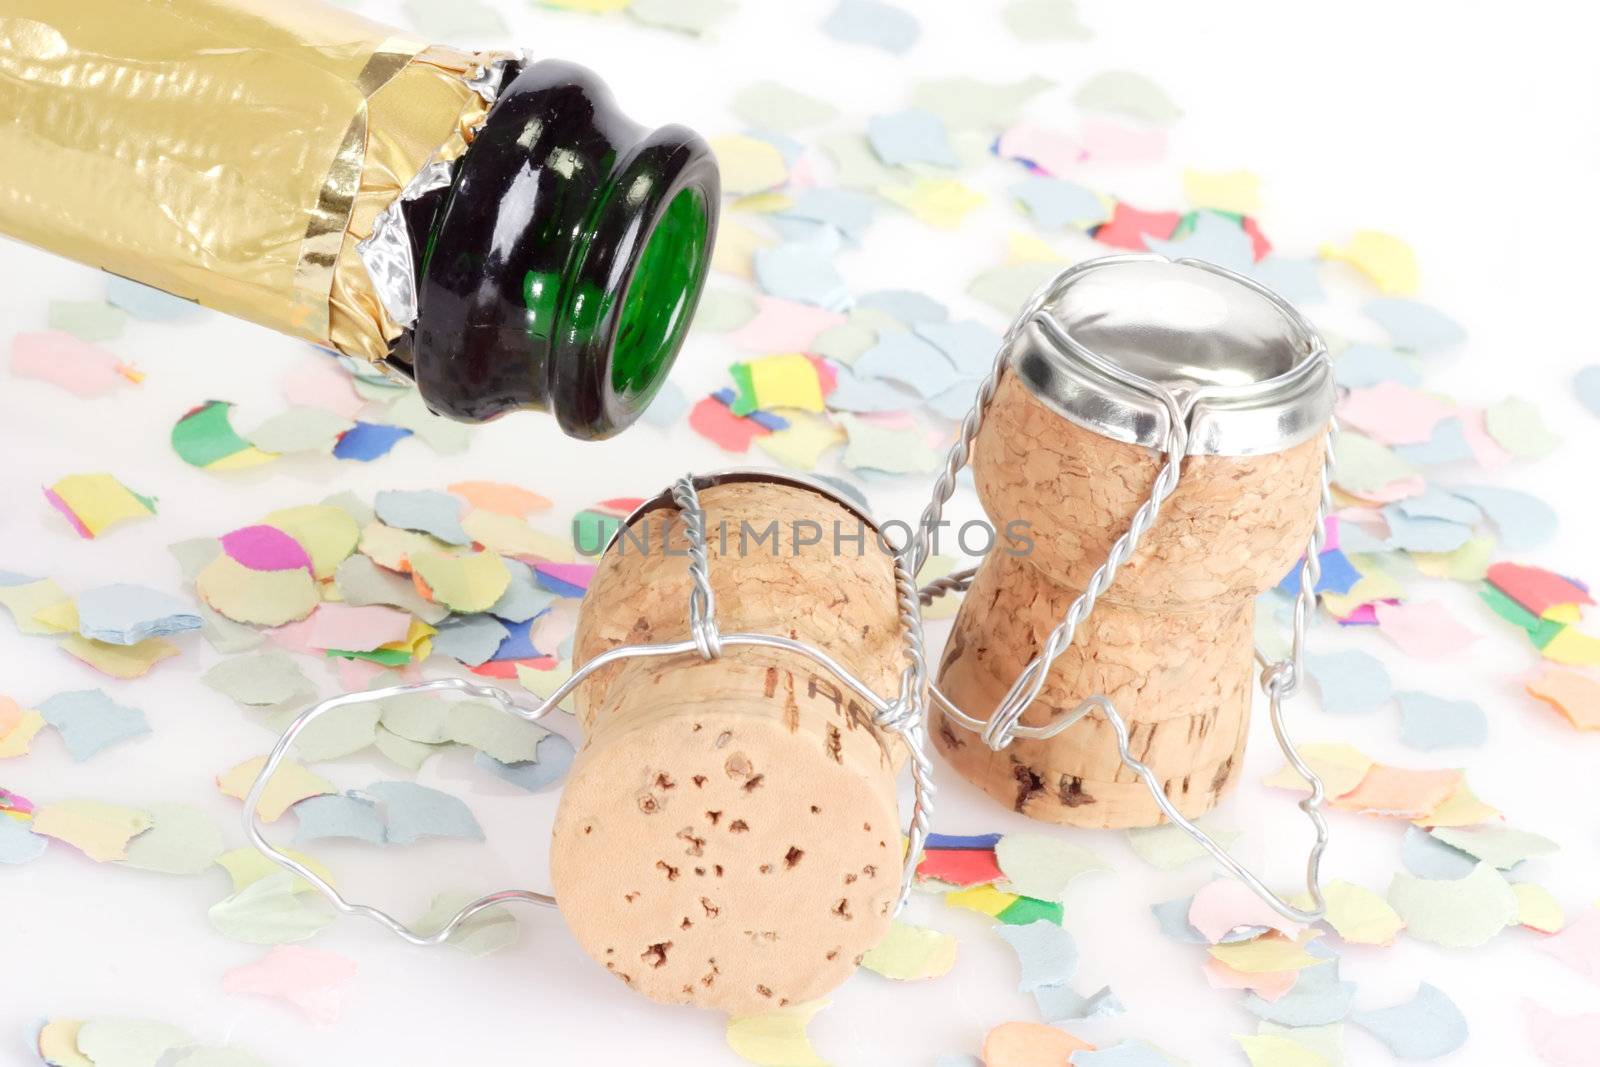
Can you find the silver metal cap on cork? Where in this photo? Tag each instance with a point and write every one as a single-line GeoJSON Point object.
{"type": "Point", "coordinates": [1122, 345]}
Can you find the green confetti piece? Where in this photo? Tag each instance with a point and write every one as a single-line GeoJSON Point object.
{"type": "Point", "coordinates": [592, 531]}
{"type": "Point", "coordinates": [1027, 910]}
{"type": "Point", "coordinates": [205, 435]}
{"type": "Point", "coordinates": [744, 401]}
{"type": "Point", "coordinates": [88, 320]}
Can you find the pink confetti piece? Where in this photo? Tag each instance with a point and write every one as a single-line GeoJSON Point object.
{"type": "Point", "coordinates": [320, 382]}
{"type": "Point", "coordinates": [55, 501]}
{"type": "Point", "coordinates": [356, 629]}
{"type": "Point", "coordinates": [1119, 144]}
{"type": "Point", "coordinates": [1049, 151]}
{"type": "Point", "coordinates": [265, 548]}
{"type": "Point", "coordinates": [1563, 1040]}
{"type": "Point", "coordinates": [1400, 792]}
{"type": "Point", "coordinates": [783, 326]}
{"type": "Point", "coordinates": [61, 359]}
{"type": "Point", "coordinates": [1268, 985]}
{"type": "Point", "coordinates": [1425, 629]}
{"type": "Point", "coordinates": [1402, 489]}
{"type": "Point", "coordinates": [1578, 946]}
{"type": "Point", "coordinates": [310, 979]}
{"type": "Point", "coordinates": [1485, 449]}
{"type": "Point", "coordinates": [1394, 414]}
{"type": "Point", "coordinates": [1225, 905]}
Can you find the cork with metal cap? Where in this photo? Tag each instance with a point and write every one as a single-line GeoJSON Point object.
{"type": "Point", "coordinates": [1126, 364]}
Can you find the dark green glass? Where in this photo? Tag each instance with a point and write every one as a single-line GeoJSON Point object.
{"type": "Point", "coordinates": [559, 269]}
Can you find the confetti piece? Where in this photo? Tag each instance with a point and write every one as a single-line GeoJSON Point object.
{"type": "Point", "coordinates": [533, 776]}
{"type": "Point", "coordinates": [1269, 985]}
{"type": "Point", "coordinates": [319, 382]}
{"type": "Point", "coordinates": [1350, 680]}
{"type": "Point", "coordinates": [895, 451]}
{"type": "Point", "coordinates": [913, 136]}
{"type": "Point", "coordinates": [1428, 722]}
{"type": "Point", "coordinates": [962, 101]}
{"type": "Point", "coordinates": [364, 582]}
{"type": "Point", "coordinates": [299, 429]}
{"type": "Point", "coordinates": [367, 441]}
{"type": "Point", "coordinates": [290, 784]}
{"type": "Point", "coordinates": [246, 866]}
{"type": "Point", "coordinates": [1383, 258]}
{"type": "Point", "coordinates": [1030, 1045]}
{"type": "Point", "coordinates": [127, 614]}
{"type": "Point", "coordinates": [1537, 909]}
{"type": "Point", "coordinates": [18, 728]}
{"type": "Point", "coordinates": [1524, 521]}
{"type": "Point", "coordinates": [1586, 383]}
{"type": "Point", "coordinates": [119, 661]}
{"type": "Point", "coordinates": [147, 304]}
{"type": "Point", "coordinates": [1574, 693]}
{"type": "Point", "coordinates": [262, 597]}
{"type": "Point", "coordinates": [1413, 325]}
{"type": "Point", "coordinates": [870, 22]}
{"type": "Point", "coordinates": [268, 912]}
{"type": "Point", "coordinates": [803, 271]}
{"type": "Point", "coordinates": [1062, 1004]}
{"type": "Point", "coordinates": [749, 165]}
{"type": "Point", "coordinates": [1427, 857]}
{"type": "Point", "coordinates": [1046, 954]}
{"type": "Point", "coordinates": [1517, 426]}
{"type": "Point", "coordinates": [99, 831]}
{"type": "Point", "coordinates": [356, 628]}
{"type": "Point", "coordinates": [1399, 792]}
{"type": "Point", "coordinates": [183, 840]}
{"type": "Point", "coordinates": [1360, 916]}
{"type": "Point", "coordinates": [803, 444]}
{"type": "Point", "coordinates": [1237, 192]}
{"type": "Point", "coordinates": [1133, 229]}
{"type": "Point", "coordinates": [265, 548]}
{"type": "Point", "coordinates": [69, 362]}
{"type": "Point", "coordinates": [489, 930]}
{"type": "Point", "coordinates": [465, 584]}
{"type": "Point", "coordinates": [204, 437]}
{"type": "Point", "coordinates": [471, 639]}
{"type": "Point", "coordinates": [423, 511]}
{"type": "Point", "coordinates": [941, 202]}
{"type": "Point", "coordinates": [338, 815]}
{"type": "Point", "coordinates": [911, 953]}
{"type": "Point", "coordinates": [312, 980]}
{"type": "Point", "coordinates": [695, 17]}
{"type": "Point", "coordinates": [1341, 768]}
{"type": "Point", "coordinates": [1317, 999]}
{"type": "Point", "coordinates": [1044, 20]}
{"type": "Point", "coordinates": [1424, 629]}
{"type": "Point", "coordinates": [1264, 955]}
{"type": "Point", "coordinates": [1563, 1040]}
{"type": "Point", "coordinates": [1394, 414]}
{"type": "Point", "coordinates": [414, 811]}
{"type": "Point", "coordinates": [1463, 913]}
{"type": "Point", "coordinates": [776, 1038]}
{"type": "Point", "coordinates": [338, 733]}
{"type": "Point", "coordinates": [1054, 203]}
{"type": "Point", "coordinates": [768, 105]}
{"type": "Point", "coordinates": [18, 843]}
{"type": "Point", "coordinates": [1169, 847]}
{"type": "Point", "coordinates": [959, 866]}
{"type": "Point", "coordinates": [1225, 906]}
{"type": "Point", "coordinates": [88, 320]}
{"type": "Point", "coordinates": [261, 679]}
{"type": "Point", "coordinates": [27, 599]}
{"type": "Point", "coordinates": [1042, 865]}
{"type": "Point", "coordinates": [1125, 92]}
{"type": "Point", "coordinates": [1424, 1028]}
{"type": "Point", "coordinates": [128, 1042]}
{"type": "Point", "coordinates": [1273, 1050]}
{"type": "Point", "coordinates": [505, 737]}
{"type": "Point", "coordinates": [89, 720]}
{"type": "Point", "coordinates": [866, 395]}
{"type": "Point", "coordinates": [1496, 844]}
{"type": "Point", "coordinates": [1578, 946]}
{"type": "Point", "coordinates": [93, 503]}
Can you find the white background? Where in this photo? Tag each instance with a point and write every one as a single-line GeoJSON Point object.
{"type": "Point", "coordinates": [1468, 128]}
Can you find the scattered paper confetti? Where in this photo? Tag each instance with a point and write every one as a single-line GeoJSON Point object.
{"type": "Point", "coordinates": [1428, 722]}
{"type": "Point", "coordinates": [1042, 865]}
{"type": "Point", "coordinates": [290, 783]}
{"type": "Point", "coordinates": [1046, 953]}
{"type": "Point", "coordinates": [1578, 946]}
{"type": "Point", "coordinates": [89, 721]}
{"type": "Point", "coordinates": [1360, 916]}
{"type": "Point", "coordinates": [414, 811]}
{"type": "Point", "coordinates": [119, 661]}
{"type": "Point", "coordinates": [125, 614]}
{"type": "Point", "coordinates": [100, 831]}
{"type": "Point", "coordinates": [182, 840]}
{"type": "Point", "coordinates": [312, 980]}
{"type": "Point", "coordinates": [776, 1038]}
{"type": "Point", "coordinates": [910, 953]}
{"type": "Point", "coordinates": [1030, 1045]}
{"type": "Point", "coordinates": [872, 22]}
{"type": "Point", "coordinates": [1424, 1028]}
{"type": "Point", "coordinates": [1462, 913]}
{"type": "Point", "coordinates": [93, 503]}
{"type": "Point", "coordinates": [268, 911]}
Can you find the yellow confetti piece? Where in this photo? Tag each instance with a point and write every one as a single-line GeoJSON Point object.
{"type": "Point", "coordinates": [99, 831]}
{"type": "Point", "coordinates": [1275, 1050]}
{"type": "Point", "coordinates": [1566, 613]}
{"type": "Point", "coordinates": [1237, 191]}
{"type": "Point", "coordinates": [417, 641]}
{"type": "Point", "coordinates": [119, 661]}
{"type": "Point", "coordinates": [290, 784]}
{"type": "Point", "coordinates": [1267, 954]}
{"type": "Point", "coordinates": [1374, 584]}
{"type": "Point", "coordinates": [763, 203]}
{"type": "Point", "coordinates": [1573, 648]}
{"type": "Point", "coordinates": [777, 1038]}
{"type": "Point", "coordinates": [941, 202]}
{"type": "Point", "coordinates": [1537, 909]}
{"type": "Point", "coordinates": [786, 381]}
{"type": "Point", "coordinates": [1359, 915]}
{"type": "Point", "coordinates": [748, 165]}
{"type": "Point", "coordinates": [463, 583]}
{"type": "Point", "coordinates": [803, 444]}
{"type": "Point", "coordinates": [328, 534]}
{"type": "Point", "coordinates": [1385, 259]}
{"type": "Point", "coordinates": [58, 1044]}
{"type": "Point", "coordinates": [59, 618]}
{"type": "Point", "coordinates": [511, 536]}
{"type": "Point", "coordinates": [984, 899]}
{"type": "Point", "coordinates": [1340, 767]}
{"type": "Point", "coordinates": [392, 549]}
{"type": "Point", "coordinates": [247, 866]}
{"type": "Point", "coordinates": [243, 459]}
{"type": "Point", "coordinates": [27, 600]}
{"type": "Point", "coordinates": [910, 953]}
{"type": "Point", "coordinates": [736, 247]}
{"type": "Point", "coordinates": [543, 684]}
{"type": "Point", "coordinates": [19, 734]}
{"type": "Point", "coordinates": [263, 598]}
{"type": "Point", "coordinates": [1030, 248]}
{"type": "Point", "coordinates": [1460, 808]}
{"type": "Point", "coordinates": [98, 502]}
{"type": "Point", "coordinates": [1469, 563]}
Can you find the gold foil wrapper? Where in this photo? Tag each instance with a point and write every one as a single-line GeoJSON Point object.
{"type": "Point", "coordinates": [231, 152]}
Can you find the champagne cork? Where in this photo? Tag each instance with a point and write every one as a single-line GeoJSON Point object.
{"type": "Point", "coordinates": [1170, 642]}
{"type": "Point", "coordinates": [729, 835]}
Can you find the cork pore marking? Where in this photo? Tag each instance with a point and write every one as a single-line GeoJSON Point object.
{"type": "Point", "coordinates": [729, 836]}
{"type": "Point", "coordinates": [1170, 643]}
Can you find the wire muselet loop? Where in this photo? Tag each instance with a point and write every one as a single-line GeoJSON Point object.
{"type": "Point", "coordinates": [904, 715]}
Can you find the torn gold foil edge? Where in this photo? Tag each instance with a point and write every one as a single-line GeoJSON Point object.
{"type": "Point", "coordinates": [232, 152]}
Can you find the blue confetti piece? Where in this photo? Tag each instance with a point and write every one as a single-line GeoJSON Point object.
{"type": "Point", "coordinates": [1424, 534]}
{"type": "Point", "coordinates": [872, 23]}
{"type": "Point", "coordinates": [555, 759]}
{"type": "Point", "coordinates": [1414, 325]}
{"type": "Point", "coordinates": [523, 599]}
{"type": "Point", "coordinates": [1587, 385]}
{"type": "Point", "coordinates": [1296, 280]}
{"type": "Point", "coordinates": [518, 642]}
{"type": "Point", "coordinates": [1426, 1027]}
{"type": "Point", "coordinates": [422, 511]}
{"type": "Point", "coordinates": [13, 578]}
{"type": "Point", "coordinates": [863, 396]}
{"type": "Point", "coordinates": [18, 843]}
{"type": "Point", "coordinates": [146, 303]}
{"type": "Point", "coordinates": [1349, 681]}
{"type": "Point", "coordinates": [1428, 722]}
{"type": "Point", "coordinates": [470, 639]}
{"type": "Point", "coordinates": [803, 271]}
{"type": "Point", "coordinates": [1435, 503]}
{"type": "Point", "coordinates": [1362, 366]}
{"type": "Point", "coordinates": [971, 842]}
{"type": "Point", "coordinates": [667, 407]}
{"type": "Point", "coordinates": [787, 146]}
{"type": "Point", "coordinates": [339, 815]}
{"type": "Point", "coordinates": [911, 136]}
{"type": "Point", "coordinates": [1427, 857]}
{"type": "Point", "coordinates": [1063, 1004]}
{"type": "Point", "coordinates": [725, 397]}
{"type": "Point", "coordinates": [414, 811]}
{"type": "Point", "coordinates": [1214, 238]}
{"type": "Point", "coordinates": [1317, 999]}
{"type": "Point", "coordinates": [848, 211]}
{"type": "Point", "coordinates": [956, 401]}
{"type": "Point", "coordinates": [910, 361]}
{"type": "Point", "coordinates": [89, 720]}
{"type": "Point", "coordinates": [559, 586]}
{"type": "Point", "coordinates": [367, 441]}
{"type": "Point", "coordinates": [905, 305]}
{"type": "Point", "coordinates": [1338, 575]}
{"type": "Point", "coordinates": [1356, 541]}
{"type": "Point", "coordinates": [1046, 953]}
{"type": "Point", "coordinates": [124, 614]}
{"type": "Point", "coordinates": [969, 346]}
{"type": "Point", "coordinates": [1447, 445]}
{"type": "Point", "coordinates": [1055, 203]}
{"type": "Point", "coordinates": [1173, 917]}
{"type": "Point", "coordinates": [1524, 521]}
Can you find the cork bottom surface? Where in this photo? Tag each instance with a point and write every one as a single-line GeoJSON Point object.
{"type": "Point", "coordinates": [722, 860]}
